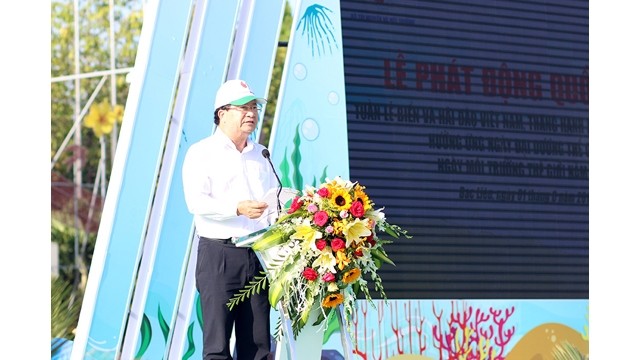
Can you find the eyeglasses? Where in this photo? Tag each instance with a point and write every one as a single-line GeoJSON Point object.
{"type": "Point", "coordinates": [245, 108]}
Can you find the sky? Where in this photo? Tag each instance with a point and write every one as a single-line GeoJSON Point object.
{"type": "Point", "coordinates": [614, 176]}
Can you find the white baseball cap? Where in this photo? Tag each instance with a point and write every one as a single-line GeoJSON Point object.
{"type": "Point", "coordinates": [235, 92]}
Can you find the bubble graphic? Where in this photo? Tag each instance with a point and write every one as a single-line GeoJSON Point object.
{"type": "Point", "coordinates": [333, 98]}
{"type": "Point", "coordinates": [310, 129]}
{"type": "Point", "coordinates": [300, 71]}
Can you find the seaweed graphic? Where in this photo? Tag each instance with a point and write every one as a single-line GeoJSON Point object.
{"type": "Point", "coordinates": [163, 325]}
{"type": "Point", "coordinates": [296, 160]}
{"type": "Point", "coordinates": [199, 310]}
{"type": "Point", "coordinates": [318, 28]}
{"type": "Point", "coordinates": [192, 345]}
{"type": "Point", "coordinates": [145, 336]}
{"type": "Point", "coordinates": [284, 170]}
{"type": "Point", "coordinates": [295, 179]}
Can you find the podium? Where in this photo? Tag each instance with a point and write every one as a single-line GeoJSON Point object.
{"type": "Point", "coordinates": [308, 344]}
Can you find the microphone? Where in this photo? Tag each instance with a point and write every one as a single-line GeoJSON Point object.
{"type": "Point", "coordinates": [267, 156]}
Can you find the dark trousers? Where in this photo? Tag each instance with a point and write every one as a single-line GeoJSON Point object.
{"type": "Point", "coordinates": [222, 269]}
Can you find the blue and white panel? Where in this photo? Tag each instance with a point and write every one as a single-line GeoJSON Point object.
{"type": "Point", "coordinates": [133, 180]}
{"type": "Point", "coordinates": [309, 136]}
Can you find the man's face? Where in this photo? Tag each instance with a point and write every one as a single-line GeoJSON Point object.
{"type": "Point", "coordinates": [243, 118]}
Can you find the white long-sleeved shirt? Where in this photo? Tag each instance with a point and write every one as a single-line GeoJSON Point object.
{"type": "Point", "coordinates": [216, 177]}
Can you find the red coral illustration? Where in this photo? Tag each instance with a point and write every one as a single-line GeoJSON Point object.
{"type": "Point", "coordinates": [472, 335]}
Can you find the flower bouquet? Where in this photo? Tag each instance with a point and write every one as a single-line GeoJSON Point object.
{"type": "Point", "coordinates": [322, 248]}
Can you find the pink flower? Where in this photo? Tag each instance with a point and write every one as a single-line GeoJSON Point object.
{"type": "Point", "coordinates": [328, 277]}
{"type": "Point", "coordinates": [320, 218]}
{"type": "Point", "coordinates": [329, 229]}
{"type": "Point", "coordinates": [337, 244]}
{"type": "Point", "coordinates": [312, 208]}
{"type": "Point", "coordinates": [295, 205]}
{"type": "Point", "coordinates": [310, 274]}
{"type": "Point", "coordinates": [344, 214]}
{"type": "Point", "coordinates": [323, 192]}
{"type": "Point", "coordinates": [321, 244]}
{"type": "Point", "coordinates": [357, 209]}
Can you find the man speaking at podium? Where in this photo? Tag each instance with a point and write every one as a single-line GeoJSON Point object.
{"type": "Point", "coordinates": [224, 177]}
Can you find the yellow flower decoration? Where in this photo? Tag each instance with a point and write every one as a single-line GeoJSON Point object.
{"type": "Point", "coordinates": [338, 226]}
{"type": "Point", "coordinates": [351, 276]}
{"type": "Point", "coordinates": [355, 231]}
{"type": "Point", "coordinates": [341, 259]}
{"type": "Point", "coordinates": [98, 118]}
{"type": "Point", "coordinates": [332, 300]}
{"type": "Point", "coordinates": [359, 194]}
{"type": "Point", "coordinates": [118, 113]}
{"type": "Point", "coordinates": [325, 261]}
{"type": "Point", "coordinates": [307, 234]}
{"type": "Point", "coordinates": [340, 199]}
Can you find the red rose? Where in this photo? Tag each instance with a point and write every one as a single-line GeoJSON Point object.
{"type": "Point", "coordinates": [358, 252]}
{"type": "Point", "coordinates": [310, 274]}
{"type": "Point", "coordinates": [320, 218]}
{"type": "Point", "coordinates": [328, 277]}
{"type": "Point", "coordinates": [337, 244]}
{"type": "Point", "coordinates": [357, 209]}
{"type": "Point", "coordinates": [371, 240]}
{"type": "Point", "coordinates": [321, 244]}
{"type": "Point", "coordinates": [324, 192]}
{"type": "Point", "coordinates": [295, 205]}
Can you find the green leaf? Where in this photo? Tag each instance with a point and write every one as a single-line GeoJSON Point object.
{"type": "Point", "coordinates": [269, 239]}
{"type": "Point", "coordinates": [333, 325]}
{"type": "Point", "coordinates": [380, 255]}
{"type": "Point", "coordinates": [275, 292]}
{"type": "Point", "coordinates": [253, 287]}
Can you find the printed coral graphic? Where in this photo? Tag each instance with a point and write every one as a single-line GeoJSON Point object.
{"type": "Point", "coordinates": [469, 334]}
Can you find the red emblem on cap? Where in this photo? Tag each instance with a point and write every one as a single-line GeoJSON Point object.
{"type": "Point", "coordinates": [244, 84]}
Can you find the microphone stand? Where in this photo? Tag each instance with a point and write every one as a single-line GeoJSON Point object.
{"type": "Point", "coordinates": [267, 156]}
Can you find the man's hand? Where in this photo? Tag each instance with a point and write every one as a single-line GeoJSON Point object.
{"type": "Point", "coordinates": [251, 208]}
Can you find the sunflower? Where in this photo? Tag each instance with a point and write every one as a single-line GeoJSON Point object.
{"type": "Point", "coordinates": [332, 300]}
{"type": "Point", "coordinates": [341, 199]}
{"type": "Point", "coordinates": [351, 276]}
{"type": "Point", "coordinates": [360, 195]}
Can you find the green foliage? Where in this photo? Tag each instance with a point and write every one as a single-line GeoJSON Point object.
{"type": "Point", "coordinates": [276, 77]}
{"type": "Point", "coordinates": [254, 286]}
{"type": "Point", "coordinates": [65, 310]}
{"type": "Point", "coordinates": [94, 53]}
{"type": "Point", "coordinates": [65, 236]}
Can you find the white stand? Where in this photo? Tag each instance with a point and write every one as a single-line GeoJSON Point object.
{"type": "Point", "coordinates": [308, 344]}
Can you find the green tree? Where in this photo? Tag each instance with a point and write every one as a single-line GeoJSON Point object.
{"type": "Point", "coordinates": [93, 55]}
{"type": "Point", "coordinates": [276, 76]}
{"type": "Point", "coordinates": [74, 236]}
